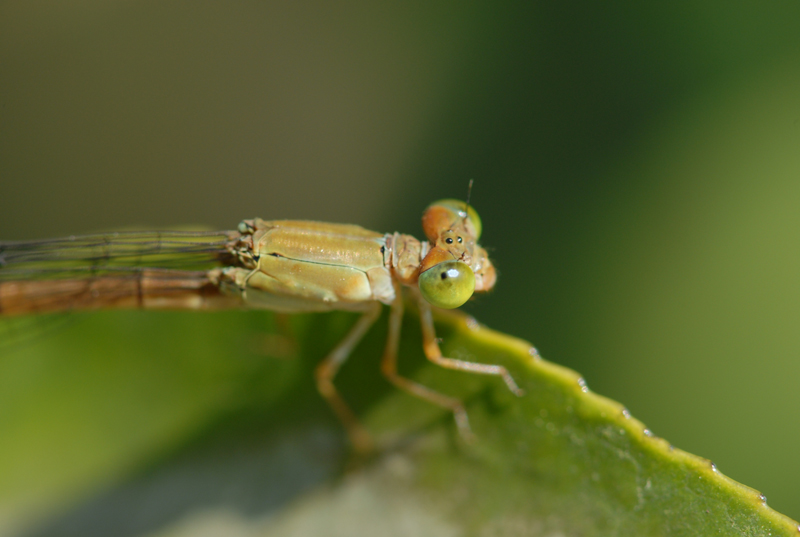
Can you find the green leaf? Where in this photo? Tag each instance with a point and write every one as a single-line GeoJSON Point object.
{"type": "Point", "coordinates": [172, 424]}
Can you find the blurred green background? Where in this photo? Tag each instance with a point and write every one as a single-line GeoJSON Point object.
{"type": "Point", "coordinates": [637, 169]}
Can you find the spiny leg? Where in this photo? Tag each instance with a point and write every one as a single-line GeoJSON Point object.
{"type": "Point", "coordinates": [327, 369]}
{"type": "Point", "coordinates": [431, 347]}
{"type": "Point", "coordinates": [389, 370]}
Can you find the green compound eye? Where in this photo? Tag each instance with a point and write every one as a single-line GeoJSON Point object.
{"type": "Point", "coordinates": [447, 285]}
{"type": "Point", "coordinates": [457, 208]}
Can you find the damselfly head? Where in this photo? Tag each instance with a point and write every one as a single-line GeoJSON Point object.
{"type": "Point", "coordinates": [455, 266]}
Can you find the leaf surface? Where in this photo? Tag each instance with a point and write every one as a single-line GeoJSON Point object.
{"type": "Point", "coordinates": [173, 424]}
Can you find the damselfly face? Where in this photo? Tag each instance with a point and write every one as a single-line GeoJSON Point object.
{"type": "Point", "coordinates": [455, 266]}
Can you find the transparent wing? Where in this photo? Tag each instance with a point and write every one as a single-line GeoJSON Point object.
{"type": "Point", "coordinates": [100, 270]}
{"type": "Point", "coordinates": [188, 250]}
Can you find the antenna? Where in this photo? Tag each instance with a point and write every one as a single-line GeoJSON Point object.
{"type": "Point", "coordinates": [466, 203]}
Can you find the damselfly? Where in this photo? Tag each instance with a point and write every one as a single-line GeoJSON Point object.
{"type": "Point", "coordinates": [281, 265]}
